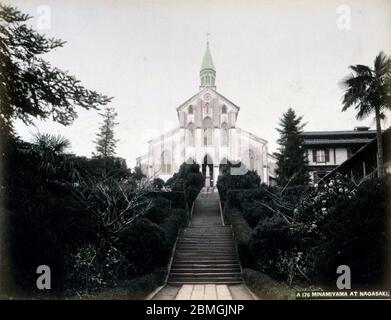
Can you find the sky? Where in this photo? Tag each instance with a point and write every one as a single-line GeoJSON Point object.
{"type": "Point", "coordinates": [269, 56]}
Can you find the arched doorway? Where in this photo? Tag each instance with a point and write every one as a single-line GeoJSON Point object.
{"type": "Point", "coordinates": [208, 162]}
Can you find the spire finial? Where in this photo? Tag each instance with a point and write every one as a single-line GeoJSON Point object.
{"type": "Point", "coordinates": [207, 39]}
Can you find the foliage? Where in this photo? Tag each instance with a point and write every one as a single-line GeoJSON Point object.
{"type": "Point", "coordinates": [96, 266]}
{"type": "Point", "coordinates": [105, 141]}
{"type": "Point", "coordinates": [158, 184]}
{"type": "Point", "coordinates": [188, 179]}
{"type": "Point", "coordinates": [177, 219]}
{"type": "Point", "coordinates": [159, 210]}
{"type": "Point", "coordinates": [228, 181]}
{"type": "Point", "coordinates": [144, 245]}
{"type": "Point", "coordinates": [31, 87]}
{"type": "Point", "coordinates": [115, 203]}
{"type": "Point", "coordinates": [242, 232]}
{"type": "Point", "coordinates": [291, 159]}
{"type": "Point", "coordinates": [334, 224]}
{"type": "Point", "coordinates": [368, 91]}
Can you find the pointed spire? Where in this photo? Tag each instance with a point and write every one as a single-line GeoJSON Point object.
{"type": "Point", "coordinates": [207, 61]}
{"type": "Point", "coordinates": [208, 71]}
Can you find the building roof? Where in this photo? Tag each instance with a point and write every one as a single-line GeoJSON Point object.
{"type": "Point", "coordinates": [337, 141]}
{"type": "Point", "coordinates": [205, 90]}
{"type": "Point", "coordinates": [360, 135]}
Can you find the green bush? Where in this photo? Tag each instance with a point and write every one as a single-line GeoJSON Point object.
{"type": "Point", "coordinates": [144, 244]}
{"type": "Point", "coordinates": [188, 179]}
{"type": "Point", "coordinates": [159, 210]}
{"type": "Point", "coordinates": [335, 224]}
{"type": "Point", "coordinates": [228, 181]}
{"type": "Point", "coordinates": [255, 211]}
{"type": "Point", "coordinates": [269, 243]}
{"type": "Point", "coordinates": [158, 184]}
{"type": "Point", "coordinates": [242, 233]}
{"type": "Point", "coordinates": [96, 266]}
{"type": "Point", "coordinates": [357, 235]}
{"type": "Point", "coordinates": [177, 219]}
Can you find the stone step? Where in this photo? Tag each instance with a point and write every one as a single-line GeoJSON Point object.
{"type": "Point", "coordinates": [204, 246]}
{"type": "Point", "coordinates": [210, 249]}
{"type": "Point", "coordinates": [209, 261]}
{"type": "Point", "coordinates": [205, 265]}
{"type": "Point", "coordinates": [177, 283]}
{"type": "Point", "coordinates": [195, 256]}
{"type": "Point", "coordinates": [209, 269]}
{"type": "Point", "coordinates": [206, 243]}
{"type": "Point", "coordinates": [206, 274]}
{"type": "Point", "coordinates": [205, 280]}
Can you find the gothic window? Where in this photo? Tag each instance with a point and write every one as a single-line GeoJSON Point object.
{"type": "Point", "coordinates": [190, 135]}
{"type": "Point", "coordinates": [224, 134]}
{"type": "Point", "coordinates": [191, 110]}
{"type": "Point", "coordinates": [251, 157]}
{"type": "Point", "coordinates": [224, 109]}
{"type": "Point", "coordinates": [166, 161]}
{"type": "Point", "coordinates": [207, 131]}
{"type": "Point", "coordinates": [208, 136]}
{"type": "Point", "coordinates": [206, 108]}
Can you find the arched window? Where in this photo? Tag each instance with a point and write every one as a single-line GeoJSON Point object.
{"type": "Point", "coordinates": [190, 134]}
{"type": "Point", "coordinates": [224, 134]}
{"type": "Point", "coordinates": [251, 158]}
{"type": "Point", "coordinates": [207, 130]}
{"type": "Point", "coordinates": [224, 109]}
{"type": "Point", "coordinates": [206, 108]}
{"type": "Point", "coordinates": [191, 110]}
{"type": "Point", "coordinates": [166, 161]}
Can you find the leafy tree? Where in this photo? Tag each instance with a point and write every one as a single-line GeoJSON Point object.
{"type": "Point", "coordinates": [105, 142]}
{"type": "Point", "coordinates": [30, 87]}
{"type": "Point", "coordinates": [291, 159]}
{"type": "Point", "coordinates": [369, 91]}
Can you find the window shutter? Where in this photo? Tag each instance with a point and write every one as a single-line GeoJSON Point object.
{"type": "Point", "coordinates": [327, 155]}
{"type": "Point", "coordinates": [313, 155]}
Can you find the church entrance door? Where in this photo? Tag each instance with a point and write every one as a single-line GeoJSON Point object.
{"type": "Point", "coordinates": [208, 163]}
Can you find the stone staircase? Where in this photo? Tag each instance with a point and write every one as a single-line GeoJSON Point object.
{"type": "Point", "coordinates": [205, 251]}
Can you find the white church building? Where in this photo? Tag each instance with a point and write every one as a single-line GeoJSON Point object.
{"type": "Point", "coordinates": [207, 134]}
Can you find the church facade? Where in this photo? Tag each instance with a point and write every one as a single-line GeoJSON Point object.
{"type": "Point", "coordinates": [207, 134]}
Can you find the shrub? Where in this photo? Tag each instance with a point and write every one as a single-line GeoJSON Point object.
{"type": "Point", "coordinates": [335, 224]}
{"type": "Point", "coordinates": [269, 243]}
{"type": "Point", "coordinates": [158, 184]}
{"type": "Point", "coordinates": [228, 181]}
{"type": "Point", "coordinates": [144, 245]}
{"type": "Point", "coordinates": [242, 233]}
{"type": "Point", "coordinates": [159, 210]}
{"type": "Point", "coordinates": [255, 211]}
{"type": "Point", "coordinates": [188, 179]}
{"type": "Point", "coordinates": [356, 235]}
{"type": "Point", "coordinates": [96, 266]}
{"type": "Point", "coordinates": [177, 219]}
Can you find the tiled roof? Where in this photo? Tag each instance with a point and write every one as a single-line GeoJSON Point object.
{"type": "Point", "coordinates": [342, 132]}
{"type": "Point", "coordinates": [336, 141]}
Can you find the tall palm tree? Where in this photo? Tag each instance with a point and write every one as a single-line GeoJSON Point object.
{"type": "Point", "coordinates": [369, 91]}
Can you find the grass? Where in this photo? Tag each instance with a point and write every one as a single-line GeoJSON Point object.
{"type": "Point", "coordinates": [134, 289]}
{"type": "Point", "coordinates": [265, 288]}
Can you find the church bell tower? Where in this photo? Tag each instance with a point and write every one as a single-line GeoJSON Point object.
{"type": "Point", "coordinates": [208, 71]}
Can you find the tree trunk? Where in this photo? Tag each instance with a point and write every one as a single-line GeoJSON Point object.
{"type": "Point", "coordinates": [380, 160]}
